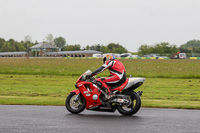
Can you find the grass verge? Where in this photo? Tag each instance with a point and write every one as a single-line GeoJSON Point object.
{"type": "Point", "coordinates": [53, 90]}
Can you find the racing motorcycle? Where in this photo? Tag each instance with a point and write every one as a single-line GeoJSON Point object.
{"type": "Point", "coordinates": [89, 95]}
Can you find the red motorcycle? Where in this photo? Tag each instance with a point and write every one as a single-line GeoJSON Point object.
{"type": "Point", "coordinates": [88, 95]}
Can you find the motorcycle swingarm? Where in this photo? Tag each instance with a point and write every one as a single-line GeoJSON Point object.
{"type": "Point", "coordinates": [122, 96]}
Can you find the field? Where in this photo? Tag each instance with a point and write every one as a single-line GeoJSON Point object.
{"type": "Point", "coordinates": [75, 67]}
{"type": "Point", "coordinates": [169, 83]}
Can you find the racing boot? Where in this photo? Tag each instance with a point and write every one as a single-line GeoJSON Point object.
{"type": "Point", "coordinates": [110, 94]}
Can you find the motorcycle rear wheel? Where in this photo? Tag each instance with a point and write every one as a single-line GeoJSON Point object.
{"type": "Point", "coordinates": [133, 107]}
{"type": "Point", "coordinates": [75, 106]}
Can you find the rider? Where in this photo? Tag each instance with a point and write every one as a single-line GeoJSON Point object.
{"type": "Point", "coordinates": [117, 74]}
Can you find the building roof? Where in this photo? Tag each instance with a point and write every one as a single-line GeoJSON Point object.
{"type": "Point", "coordinates": [13, 53]}
{"type": "Point", "coordinates": [75, 52]}
{"type": "Point", "coordinates": [43, 45]}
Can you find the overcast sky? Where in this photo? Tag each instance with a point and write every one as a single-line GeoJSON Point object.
{"type": "Point", "coordinates": [127, 22]}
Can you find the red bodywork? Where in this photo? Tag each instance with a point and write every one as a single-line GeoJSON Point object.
{"type": "Point", "coordinates": [88, 95]}
{"type": "Point", "coordinates": [121, 87]}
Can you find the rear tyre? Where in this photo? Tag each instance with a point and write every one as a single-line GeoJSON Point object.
{"type": "Point", "coordinates": [74, 105]}
{"type": "Point", "coordinates": [133, 107]}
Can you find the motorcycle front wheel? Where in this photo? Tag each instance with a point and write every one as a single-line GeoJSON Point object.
{"type": "Point", "coordinates": [132, 107]}
{"type": "Point", "coordinates": [75, 103]}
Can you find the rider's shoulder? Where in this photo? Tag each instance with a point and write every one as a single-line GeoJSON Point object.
{"type": "Point", "coordinates": [109, 61]}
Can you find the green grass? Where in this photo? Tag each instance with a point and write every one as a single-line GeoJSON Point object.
{"type": "Point", "coordinates": [48, 81]}
{"type": "Point", "coordinates": [53, 90]}
{"type": "Point", "coordinates": [33, 89]}
{"type": "Point", "coordinates": [74, 67]}
{"type": "Point", "coordinates": [172, 93]}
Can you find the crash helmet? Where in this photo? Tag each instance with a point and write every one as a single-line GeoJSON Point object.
{"type": "Point", "coordinates": [107, 57]}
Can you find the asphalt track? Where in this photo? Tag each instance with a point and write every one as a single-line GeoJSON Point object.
{"type": "Point", "coordinates": [56, 119]}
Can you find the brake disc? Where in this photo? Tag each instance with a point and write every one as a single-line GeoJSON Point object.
{"type": "Point", "coordinates": [74, 102]}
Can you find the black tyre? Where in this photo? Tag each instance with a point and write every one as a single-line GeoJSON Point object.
{"type": "Point", "coordinates": [75, 106]}
{"type": "Point", "coordinates": [133, 107]}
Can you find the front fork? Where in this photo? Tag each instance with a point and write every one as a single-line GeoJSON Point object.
{"type": "Point", "coordinates": [77, 97]}
{"type": "Point", "coordinates": [77, 94]}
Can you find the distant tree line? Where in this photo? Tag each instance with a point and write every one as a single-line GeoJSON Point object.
{"type": "Point", "coordinates": [110, 48]}
{"type": "Point", "coordinates": [191, 48]}
{"type": "Point", "coordinates": [13, 46]}
{"type": "Point", "coordinates": [163, 48]}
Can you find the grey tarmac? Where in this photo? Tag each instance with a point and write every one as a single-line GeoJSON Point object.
{"type": "Point", "coordinates": [56, 119]}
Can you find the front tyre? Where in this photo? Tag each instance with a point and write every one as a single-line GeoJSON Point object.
{"type": "Point", "coordinates": [133, 107]}
{"type": "Point", "coordinates": [75, 103]}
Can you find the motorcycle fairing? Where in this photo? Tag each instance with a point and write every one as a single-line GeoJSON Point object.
{"type": "Point", "coordinates": [134, 83]}
{"type": "Point", "coordinates": [89, 95]}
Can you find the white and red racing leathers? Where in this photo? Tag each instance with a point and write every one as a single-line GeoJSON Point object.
{"type": "Point", "coordinates": [117, 74]}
